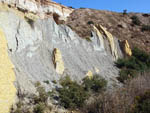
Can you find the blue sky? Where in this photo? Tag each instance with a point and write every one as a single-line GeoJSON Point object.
{"type": "Point", "coordinates": [112, 5]}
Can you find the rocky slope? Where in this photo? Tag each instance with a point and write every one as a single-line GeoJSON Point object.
{"type": "Point", "coordinates": [119, 24]}
{"type": "Point", "coordinates": [34, 49]}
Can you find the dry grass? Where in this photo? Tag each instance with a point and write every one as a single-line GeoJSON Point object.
{"type": "Point", "coordinates": [122, 100]}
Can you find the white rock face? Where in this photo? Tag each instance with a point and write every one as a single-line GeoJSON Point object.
{"type": "Point", "coordinates": [34, 7]}
{"type": "Point", "coordinates": [31, 50]}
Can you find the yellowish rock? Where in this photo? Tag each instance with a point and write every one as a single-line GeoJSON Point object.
{"type": "Point", "coordinates": [7, 77]}
{"type": "Point", "coordinates": [97, 31]}
{"type": "Point", "coordinates": [89, 74]}
{"type": "Point", "coordinates": [97, 70]}
{"type": "Point", "coordinates": [127, 48]}
{"type": "Point", "coordinates": [58, 61]}
{"type": "Point", "coordinates": [110, 39]}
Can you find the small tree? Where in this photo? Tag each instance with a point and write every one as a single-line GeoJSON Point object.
{"type": "Point", "coordinates": [124, 12]}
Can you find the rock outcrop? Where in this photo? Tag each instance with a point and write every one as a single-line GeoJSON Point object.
{"type": "Point", "coordinates": [126, 48]}
{"type": "Point", "coordinates": [41, 9]}
{"type": "Point", "coordinates": [7, 77]}
{"type": "Point", "coordinates": [105, 35]}
{"type": "Point", "coordinates": [58, 61]}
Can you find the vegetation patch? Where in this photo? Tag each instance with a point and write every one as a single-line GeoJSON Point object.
{"type": "Point", "coordinates": [130, 67]}
{"type": "Point", "coordinates": [95, 84]}
{"type": "Point", "coordinates": [90, 22]}
{"type": "Point", "coordinates": [142, 104]}
{"type": "Point", "coordinates": [88, 39]}
{"type": "Point", "coordinates": [72, 95]}
{"type": "Point", "coordinates": [131, 98]}
{"type": "Point", "coordinates": [145, 28]}
{"type": "Point", "coordinates": [136, 20]}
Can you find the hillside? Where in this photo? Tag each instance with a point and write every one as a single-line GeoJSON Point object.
{"type": "Point", "coordinates": [119, 25]}
{"type": "Point", "coordinates": [56, 59]}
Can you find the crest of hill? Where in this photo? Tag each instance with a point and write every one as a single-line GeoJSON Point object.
{"type": "Point", "coordinates": [119, 24]}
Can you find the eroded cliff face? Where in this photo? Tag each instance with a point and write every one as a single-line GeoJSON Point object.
{"type": "Point", "coordinates": [42, 9]}
{"type": "Point", "coordinates": [41, 50]}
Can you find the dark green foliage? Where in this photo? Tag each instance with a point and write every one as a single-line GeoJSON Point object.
{"type": "Point", "coordinates": [88, 39]}
{"type": "Point", "coordinates": [135, 20]}
{"type": "Point", "coordinates": [96, 84]}
{"type": "Point", "coordinates": [39, 108]}
{"type": "Point", "coordinates": [43, 96]}
{"type": "Point", "coordinates": [131, 66]}
{"type": "Point", "coordinates": [142, 56]}
{"type": "Point", "coordinates": [90, 22]}
{"type": "Point", "coordinates": [46, 81]}
{"type": "Point", "coordinates": [145, 28]}
{"type": "Point", "coordinates": [125, 12]}
{"type": "Point", "coordinates": [126, 74]}
{"type": "Point", "coordinates": [72, 95]}
{"type": "Point", "coordinates": [54, 81]}
{"type": "Point", "coordinates": [143, 103]}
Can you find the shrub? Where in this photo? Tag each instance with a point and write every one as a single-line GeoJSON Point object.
{"type": "Point", "coordinates": [142, 56]}
{"type": "Point", "coordinates": [42, 97]}
{"type": "Point", "coordinates": [125, 12]}
{"type": "Point", "coordinates": [135, 20]}
{"type": "Point", "coordinates": [90, 22]}
{"type": "Point", "coordinates": [143, 103]}
{"type": "Point", "coordinates": [126, 74]}
{"type": "Point", "coordinates": [39, 108]}
{"type": "Point", "coordinates": [88, 39]}
{"type": "Point", "coordinates": [122, 100]}
{"type": "Point", "coordinates": [131, 66]}
{"type": "Point", "coordinates": [46, 81]}
{"type": "Point", "coordinates": [72, 95]}
{"type": "Point", "coordinates": [145, 28]}
{"type": "Point", "coordinates": [96, 84]}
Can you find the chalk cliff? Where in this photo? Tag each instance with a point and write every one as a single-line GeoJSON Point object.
{"type": "Point", "coordinates": [34, 49]}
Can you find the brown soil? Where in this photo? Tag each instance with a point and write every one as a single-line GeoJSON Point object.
{"type": "Point", "coordinates": [119, 25]}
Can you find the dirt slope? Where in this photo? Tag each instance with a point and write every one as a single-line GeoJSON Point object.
{"type": "Point", "coordinates": [118, 24]}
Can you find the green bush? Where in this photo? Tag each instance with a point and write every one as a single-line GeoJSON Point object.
{"type": "Point", "coordinates": [135, 20]}
{"type": "Point", "coordinates": [143, 103]}
{"type": "Point", "coordinates": [72, 95]}
{"type": "Point", "coordinates": [39, 108]}
{"type": "Point", "coordinates": [95, 84]}
{"type": "Point", "coordinates": [124, 12]}
{"type": "Point", "coordinates": [131, 66]}
{"type": "Point", "coordinates": [126, 74]}
{"type": "Point", "coordinates": [43, 95]}
{"type": "Point", "coordinates": [88, 39]}
{"type": "Point", "coordinates": [46, 82]}
{"type": "Point", "coordinates": [90, 22]}
{"type": "Point", "coordinates": [145, 28]}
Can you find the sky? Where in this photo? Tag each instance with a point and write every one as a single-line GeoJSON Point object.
{"type": "Point", "coordinates": [111, 5]}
